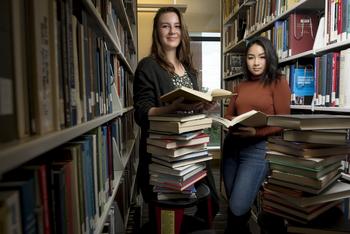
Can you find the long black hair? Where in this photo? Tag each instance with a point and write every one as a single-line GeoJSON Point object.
{"type": "Point", "coordinates": [272, 73]}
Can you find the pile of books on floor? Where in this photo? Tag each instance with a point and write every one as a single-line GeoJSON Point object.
{"type": "Point", "coordinates": [179, 154]}
{"type": "Point", "coordinates": [306, 164]}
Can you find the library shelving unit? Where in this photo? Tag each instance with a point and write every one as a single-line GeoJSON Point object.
{"type": "Point", "coordinates": [69, 81]}
{"type": "Point", "coordinates": [245, 19]}
{"type": "Point", "coordinates": [238, 26]}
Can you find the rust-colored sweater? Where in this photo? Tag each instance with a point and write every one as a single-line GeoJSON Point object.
{"type": "Point", "coordinates": [253, 95]}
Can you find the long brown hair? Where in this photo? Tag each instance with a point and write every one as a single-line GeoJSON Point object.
{"type": "Point", "coordinates": [183, 51]}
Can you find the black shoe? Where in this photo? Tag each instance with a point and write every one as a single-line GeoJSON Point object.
{"type": "Point", "coordinates": [237, 224]}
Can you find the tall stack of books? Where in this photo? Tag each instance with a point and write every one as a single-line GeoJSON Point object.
{"type": "Point", "coordinates": [178, 147]}
{"type": "Point", "coordinates": [306, 165]}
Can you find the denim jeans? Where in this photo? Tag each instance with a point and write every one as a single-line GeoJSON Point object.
{"type": "Point", "coordinates": [244, 169]}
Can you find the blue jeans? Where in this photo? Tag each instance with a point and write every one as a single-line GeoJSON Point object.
{"type": "Point", "coordinates": [244, 169]}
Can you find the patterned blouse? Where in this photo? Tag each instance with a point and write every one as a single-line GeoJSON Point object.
{"type": "Point", "coordinates": [183, 80]}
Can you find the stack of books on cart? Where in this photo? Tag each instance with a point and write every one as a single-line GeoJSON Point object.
{"type": "Point", "coordinates": [306, 164]}
{"type": "Point", "coordinates": [179, 152]}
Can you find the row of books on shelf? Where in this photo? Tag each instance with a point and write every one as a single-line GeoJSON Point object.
{"type": "Point", "coordinates": [300, 31]}
{"type": "Point", "coordinates": [71, 84]}
{"type": "Point", "coordinates": [67, 79]}
{"type": "Point", "coordinates": [232, 64]}
{"type": "Point", "coordinates": [113, 18]}
{"type": "Point", "coordinates": [66, 190]}
{"type": "Point", "coordinates": [319, 81]}
{"type": "Point", "coordinates": [264, 12]}
{"type": "Point", "coordinates": [124, 215]}
{"type": "Point", "coordinates": [256, 14]}
{"type": "Point", "coordinates": [296, 34]}
{"type": "Point", "coordinates": [305, 179]}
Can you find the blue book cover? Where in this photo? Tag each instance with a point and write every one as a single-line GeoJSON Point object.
{"type": "Point", "coordinates": [303, 81]}
{"type": "Point", "coordinates": [88, 158]}
{"type": "Point", "coordinates": [302, 84]}
{"type": "Point", "coordinates": [24, 183]}
{"type": "Point", "coordinates": [88, 180]}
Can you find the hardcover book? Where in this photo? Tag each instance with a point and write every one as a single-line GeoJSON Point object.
{"type": "Point", "coordinates": [336, 191]}
{"type": "Point", "coordinates": [195, 154]}
{"type": "Point", "coordinates": [305, 171]}
{"type": "Point", "coordinates": [302, 84]}
{"type": "Point", "coordinates": [307, 163]}
{"type": "Point", "coordinates": [302, 32]}
{"type": "Point", "coordinates": [309, 122]}
{"type": "Point", "coordinates": [180, 185]}
{"type": "Point", "coordinates": [176, 117]}
{"type": "Point", "coordinates": [178, 127]}
{"type": "Point", "coordinates": [184, 136]}
{"type": "Point", "coordinates": [179, 171]}
{"type": "Point", "coordinates": [191, 95]}
{"type": "Point", "coordinates": [335, 137]}
{"type": "Point", "coordinates": [181, 163]}
{"type": "Point", "coordinates": [174, 152]}
{"type": "Point", "coordinates": [317, 183]}
{"type": "Point", "coordinates": [306, 150]}
{"type": "Point", "coordinates": [302, 187]}
{"type": "Point", "coordinates": [11, 218]}
{"type": "Point", "coordinates": [164, 176]}
{"type": "Point", "coordinates": [332, 221]}
{"type": "Point", "coordinates": [171, 144]}
{"type": "Point", "coordinates": [291, 213]}
{"type": "Point", "coordinates": [251, 118]}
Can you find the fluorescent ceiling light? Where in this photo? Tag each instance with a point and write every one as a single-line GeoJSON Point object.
{"type": "Point", "coordinates": [154, 7]}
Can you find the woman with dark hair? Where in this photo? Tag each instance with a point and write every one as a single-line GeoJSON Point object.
{"type": "Point", "coordinates": [167, 67]}
{"type": "Point", "coordinates": [244, 166]}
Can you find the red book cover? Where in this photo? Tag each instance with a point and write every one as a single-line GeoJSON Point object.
{"type": "Point", "coordinates": [340, 17]}
{"type": "Point", "coordinates": [69, 196]}
{"type": "Point", "coordinates": [335, 79]}
{"type": "Point", "coordinates": [302, 32]}
{"type": "Point", "coordinates": [185, 184]}
{"type": "Point", "coordinates": [173, 144]}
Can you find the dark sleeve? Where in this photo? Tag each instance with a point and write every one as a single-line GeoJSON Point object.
{"type": "Point", "coordinates": [150, 82]}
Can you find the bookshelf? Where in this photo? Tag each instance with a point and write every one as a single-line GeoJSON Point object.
{"type": "Point", "coordinates": [85, 75]}
{"type": "Point", "coordinates": [234, 38]}
{"type": "Point", "coordinates": [243, 20]}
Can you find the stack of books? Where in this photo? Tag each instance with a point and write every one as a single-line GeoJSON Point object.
{"type": "Point", "coordinates": [304, 180]}
{"type": "Point", "coordinates": [178, 147]}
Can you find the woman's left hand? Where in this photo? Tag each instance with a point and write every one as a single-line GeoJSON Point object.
{"type": "Point", "coordinates": [209, 106]}
{"type": "Point", "coordinates": [245, 132]}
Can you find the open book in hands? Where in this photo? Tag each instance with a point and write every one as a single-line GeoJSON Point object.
{"type": "Point", "coordinates": [191, 95]}
{"type": "Point", "coordinates": [251, 118]}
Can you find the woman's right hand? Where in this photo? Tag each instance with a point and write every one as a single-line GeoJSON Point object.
{"type": "Point", "coordinates": [179, 105]}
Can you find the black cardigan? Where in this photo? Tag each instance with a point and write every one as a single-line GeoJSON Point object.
{"type": "Point", "coordinates": [151, 81]}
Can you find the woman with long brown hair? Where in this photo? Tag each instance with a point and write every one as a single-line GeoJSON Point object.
{"type": "Point", "coordinates": [168, 66]}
